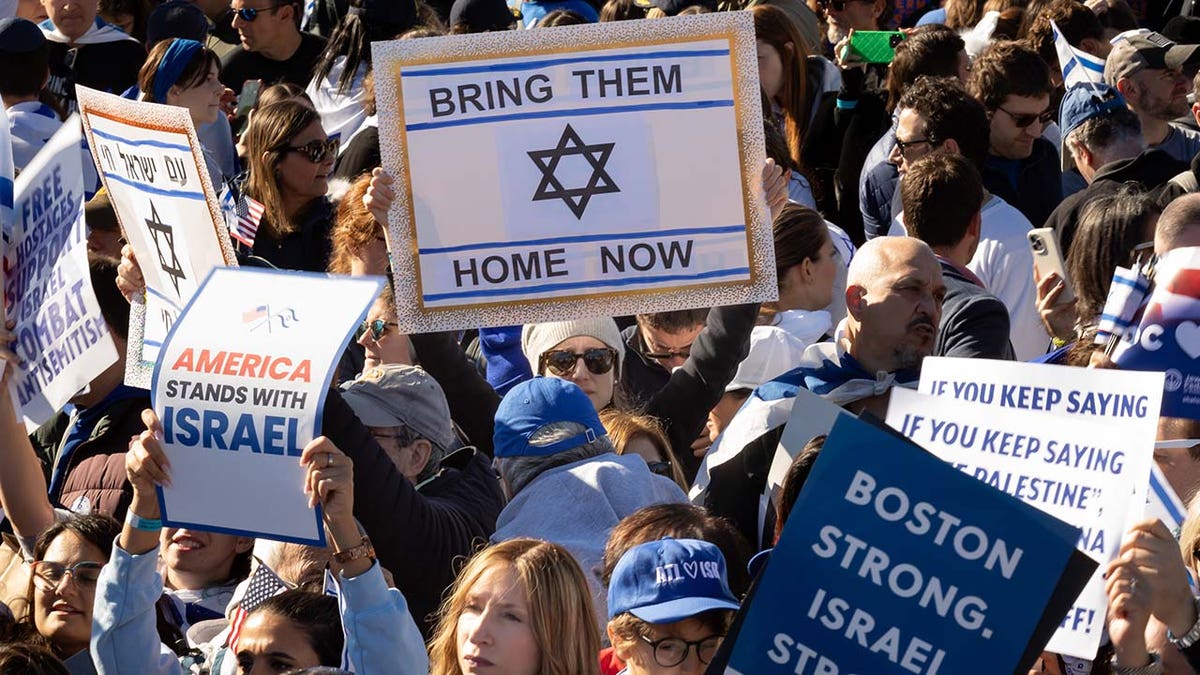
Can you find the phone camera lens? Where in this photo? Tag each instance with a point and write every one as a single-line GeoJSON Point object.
{"type": "Point", "coordinates": [1037, 246]}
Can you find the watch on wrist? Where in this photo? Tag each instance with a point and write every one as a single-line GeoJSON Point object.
{"type": "Point", "coordinates": [363, 549]}
{"type": "Point", "coordinates": [1153, 668]}
{"type": "Point", "coordinates": [1191, 637]}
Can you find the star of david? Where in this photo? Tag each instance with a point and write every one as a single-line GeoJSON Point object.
{"type": "Point", "coordinates": [165, 234]}
{"type": "Point", "coordinates": [575, 198]}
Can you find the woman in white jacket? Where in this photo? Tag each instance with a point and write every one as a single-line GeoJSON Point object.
{"type": "Point", "coordinates": [288, 632]}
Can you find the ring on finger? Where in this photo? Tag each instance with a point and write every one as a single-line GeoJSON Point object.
{"type": "Point", "coordinates": [328, 459]}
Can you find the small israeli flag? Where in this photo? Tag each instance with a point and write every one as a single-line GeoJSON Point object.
{"type": "Point", "coordinates": [1078, 66]}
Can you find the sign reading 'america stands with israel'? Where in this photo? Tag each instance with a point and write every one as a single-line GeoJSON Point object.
{"type": "Point", "coordinates": [602, 169]}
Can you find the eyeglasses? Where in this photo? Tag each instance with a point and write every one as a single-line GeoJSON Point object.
{"type": "Point", "coordinates": [670, 652]}
{"type": "Point", "coordinates": [836, 5]}
{"type": "Point", "coordinates": [48, 575]}
{"type": "Point", "coordinates": [316, 151]}
{"type": "Point", "coordinates": [1023, 120]}
{"type": "Point", "coordinates": [660, 468]}
{"type": "Point", "coordinates": [598, 360]}
{"type": "Point", "coordinates": [670, 354]}
{"type": "Point", "coordinates": [903, 146]}
{"type": "Point", "coordinates": [404, 437]}
{"type": "Point", "coordinates": [378, 329]}
{"type": "Point", "coordinates": [249, 14]}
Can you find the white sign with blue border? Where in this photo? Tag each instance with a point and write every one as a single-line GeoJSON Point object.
{"type": "Point", "coordinates": [240, 388]}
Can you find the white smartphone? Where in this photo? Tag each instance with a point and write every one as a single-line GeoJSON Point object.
{"type": "Point", "coordinates": [1047, 258]}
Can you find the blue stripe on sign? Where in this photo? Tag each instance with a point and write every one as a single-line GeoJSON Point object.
{"type": "Point", "coordinates": [433, 297]}
{"type": "Point", "coordinates": [148, 143]}
{"type": "Point", "coordinates": [161, 192]}
{"type": "Point", "coordinates": [576, 112]}
{"type": "Point", "coordinates": [1166, 500]}
{"type": "Point", "coordinates": [545, 63]}
{"type": "Point", "coordinates": [6, 192]}
{"type": "Point", "coordinates": [583, 238]}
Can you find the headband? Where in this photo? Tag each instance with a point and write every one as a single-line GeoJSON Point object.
{"type": "Point", "coordinates": [179, 55]}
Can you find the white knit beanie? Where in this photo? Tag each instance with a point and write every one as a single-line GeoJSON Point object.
{"type": "Point", "coordinates": [538, 338]}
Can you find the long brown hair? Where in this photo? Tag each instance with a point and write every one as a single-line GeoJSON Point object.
{"type": "Point", "coordinates": [193, 75]}
{"type": "Point", "coordinates": [354, 229]}
{"type": "Point", "coordinates": [561, 615]}
{"type": "Point", "coordinates": [774, 27]}
{"type": "Point", "coordinates": [271, 130]}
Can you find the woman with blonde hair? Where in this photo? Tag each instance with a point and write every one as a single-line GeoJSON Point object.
{"type": "Point", "coordinates": [521, 607]}
{"type": "Point", "coordinates": [290, 158]}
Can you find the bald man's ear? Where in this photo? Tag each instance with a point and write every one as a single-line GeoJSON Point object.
{"type": "Point", "coordinates": [856, 300]}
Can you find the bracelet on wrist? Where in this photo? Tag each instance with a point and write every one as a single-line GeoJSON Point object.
{"type": "Point", "coordinates": [1155, 667]}
{"type": "Point", "coordinates": [1189, 638]}
{"type": "Point", "coordinates": [143, 524]}
{"type": "Point", "coordinates": [362, 550]}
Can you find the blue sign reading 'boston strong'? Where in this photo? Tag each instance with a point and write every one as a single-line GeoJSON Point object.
{"type": "Point", "coordinates": [894, 562]}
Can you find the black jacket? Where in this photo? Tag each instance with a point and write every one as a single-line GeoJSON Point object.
{"type": "Point", "coordinates": [1039, 182]}
{"type": "Point", "coordinates": [417, 535]}
{"type": "Point", "coordinates": [1151, 169]}
{"type": "Point", "coordinates": [307, 249]}
{"type": "Point", "coordinates": [681, 400]}
{"type": "Point", "coordinates": [974, 322]}
{"type": "Point", "coordinates": [472, 400]}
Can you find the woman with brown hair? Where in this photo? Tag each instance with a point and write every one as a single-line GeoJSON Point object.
{"type": "Point", "coordinates": [520, 607]}
{"type": "Point", "coordinates": [635, 434]}
{"type": "Point", "coordinates": [290, 158]}
{"type": "Point", "coordinates": [783, 75]}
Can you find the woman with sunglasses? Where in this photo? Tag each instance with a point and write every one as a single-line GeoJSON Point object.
{"type": "Point", "coordinates": [672, 626]}
{"type": "Point", "coordinates": [590, 352]}
{"type": "Point", "coordinates": [289, 158]}
{"type": "Point", "coordinates": [184, 73]}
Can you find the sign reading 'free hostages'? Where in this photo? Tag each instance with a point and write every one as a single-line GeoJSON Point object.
{"type": "Point", "coordinates": [584, 171]}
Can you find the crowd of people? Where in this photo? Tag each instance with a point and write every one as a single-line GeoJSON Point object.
{"type": "Point", "coordinates": [506, 500]}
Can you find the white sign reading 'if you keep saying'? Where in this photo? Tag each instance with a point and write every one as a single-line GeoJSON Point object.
{"type": "Point", "coordinates": [596, 164]}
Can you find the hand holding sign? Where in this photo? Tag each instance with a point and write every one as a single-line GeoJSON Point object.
{"type": "Point", "coordinates": [1128, 613]}
{"type": "Point", "coordinates": [1151, 550]}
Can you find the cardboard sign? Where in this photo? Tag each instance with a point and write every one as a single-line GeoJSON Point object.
{"type": "Point", "coordinates": [1081, 471]}
{"type": "Point", "coordinates": [613, 169]}
{"type": "Point", "coordinates": [1167, 338]}
{"type": "Point", "coordinates": [152, 165]}
{"type": "Point", "coordinates": [62, 339]}
{"type": "Point", "coordinates": [893, 562]}
{"type": "Point", "coordinates": [240, 390]}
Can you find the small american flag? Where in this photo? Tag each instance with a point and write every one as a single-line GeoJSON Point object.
{"type": "Point", "coordinates": [256, 314]}
{"type": "Point", "coordinates": [245, 226]}
{"type": "Point", "coordinates": [264, 583]}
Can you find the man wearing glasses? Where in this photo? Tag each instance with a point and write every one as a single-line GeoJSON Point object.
{"type": "Point", "coordinates": [937, 116]}
{"type": "Point", "coordinates": [272, 47]}
{"type": "Point", "coordinates": [1013, 84]}
{"type": "Point", "coordinates": [1154, 76]}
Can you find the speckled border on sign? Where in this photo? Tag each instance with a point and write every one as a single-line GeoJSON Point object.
{"type": "Point", "coordinates": [737, 27]}
{"type": "Point", "coordinates": [173, 119]}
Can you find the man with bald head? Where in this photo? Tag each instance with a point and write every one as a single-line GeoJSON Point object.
{"type": "Point", "coordinates": [894, 294]}
{"type": "Point", "coordinates": [1179, 224]}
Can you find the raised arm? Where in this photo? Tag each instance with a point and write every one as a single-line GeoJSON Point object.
{"type": "Point", "coordinates": [23, 491]}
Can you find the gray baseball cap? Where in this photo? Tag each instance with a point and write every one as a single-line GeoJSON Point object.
{"type": "Point", "coordinates": [1136, 51]}
{"type": "Point", "coordinates": [400, 395]}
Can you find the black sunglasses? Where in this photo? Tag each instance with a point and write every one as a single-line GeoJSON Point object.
{"type": "Point", "coordinates": [598, 360]}
{"type": "Point", "coordinates": [903, 146]}
{"type": "Point", "coordinates": [316, 151]}
{"type": "Point", "coordinates": [249, 14]}
{"type": "Point", "coordinates": [378, 328]}
{"type": "Point", "coordinates": [836, 5]}
{"type": "Point", "coordinates": [1023, 120]}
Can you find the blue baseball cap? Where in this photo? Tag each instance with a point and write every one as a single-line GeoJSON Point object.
{"type": "Point", "coordinates": [532, 11]}
{"type": "Point", "coordinates": [533, 404]}
{"type": "Point", "coordinates": [670, 580]}
{"type": "Point", "coordinates": [1083, 102]}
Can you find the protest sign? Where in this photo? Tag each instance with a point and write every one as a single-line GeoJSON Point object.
{"type": "Point", "coordinates": [1166, 337]}
{"type": "Point", "coordinates": [1133, 398]}
{"type": "Point", "coordinates": [908, 566]}
{"type": "Point", "coordinates": [152, 165]}
{"type": "Point", "coordinates": [63, 341]}
{"type": "Point", "coordinates": [1081, 471]}
{"type": "Point", "coordinates": [240, 388]}
{"type": "Point", "coordinates": [614, 169]}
